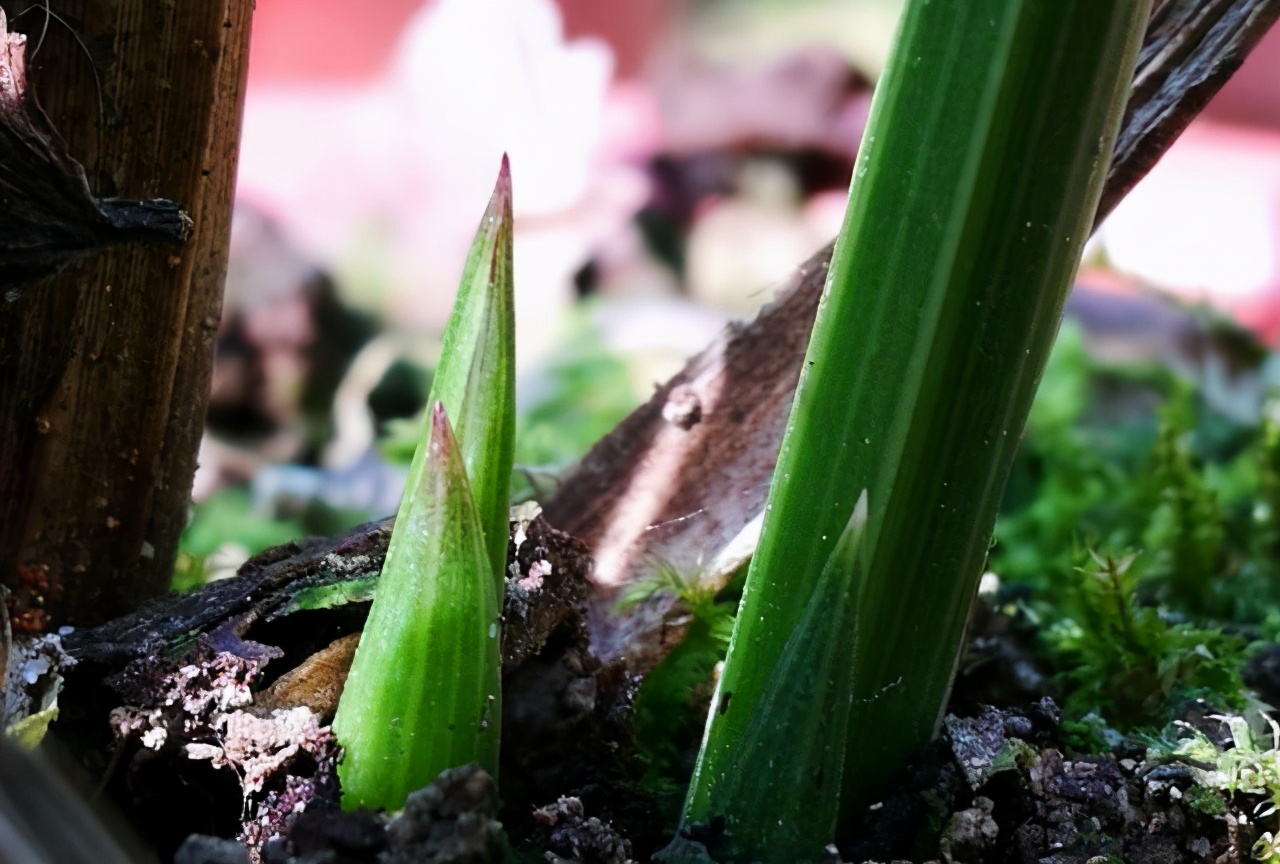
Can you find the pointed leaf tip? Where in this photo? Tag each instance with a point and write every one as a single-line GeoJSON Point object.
{"type": "Point", "coordinates": [502, 189]}
{"type": "Point", "coordinates": [443, 439]}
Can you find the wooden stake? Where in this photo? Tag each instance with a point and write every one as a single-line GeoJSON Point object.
{"type": "Point", "coordinates": [104, 369]}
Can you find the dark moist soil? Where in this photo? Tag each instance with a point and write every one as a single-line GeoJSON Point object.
{"type": "Point", "coordinates": [208, 715]}
{"type": "Point", "coordinates": [965, 800]}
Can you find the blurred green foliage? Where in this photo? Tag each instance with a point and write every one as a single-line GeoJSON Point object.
{"type": "Point", "coordinates": [579, 396]}
{"type": "Point", "coordinates": [228, 519]}
{"type": "Point", "coordinates": [1118, 458]}
{"type": "Point", "coordinates": [589, 392]}
{"type": "Point", "coordinates": [227, 516]}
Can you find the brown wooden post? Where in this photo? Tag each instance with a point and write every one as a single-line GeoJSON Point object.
{"type": "Point", "coordinates": [104, 369]}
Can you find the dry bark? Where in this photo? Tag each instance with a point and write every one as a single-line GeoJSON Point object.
{"type": "Point", "coordinates": [104, 368]}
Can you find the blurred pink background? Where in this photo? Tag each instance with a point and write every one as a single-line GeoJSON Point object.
{"type": "Point", "coordinates": [373, 138]}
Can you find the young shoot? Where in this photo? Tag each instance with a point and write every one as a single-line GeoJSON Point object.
{"type": "Point", "coordinates": [423, 693]}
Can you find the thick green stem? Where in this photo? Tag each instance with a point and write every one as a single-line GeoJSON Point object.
{"type": "Point", "coordinates": [975, 189]}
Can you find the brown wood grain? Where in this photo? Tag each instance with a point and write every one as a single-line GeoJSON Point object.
{"type": "Point", "coordinates": [104, 369]}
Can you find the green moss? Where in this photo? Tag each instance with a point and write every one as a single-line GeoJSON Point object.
{"type": "Point", "coordinates": [1084, 736]}
{"type": "Point", "coordinates": [1126, 661]}
{"type": "Point", "coordinates": [1204, 800]}
{"type": "Point", "coordinates": [1186, 530]}
{"type": "Point", "coordinates": [1124, 458]}
{"type": "Point", "coordinates": [670, 707]}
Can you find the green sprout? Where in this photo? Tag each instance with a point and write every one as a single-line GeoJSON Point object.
{"type": "Point", "coordinates": [423, 694]}
{"type": "Point", "coordinates": [975, 189]}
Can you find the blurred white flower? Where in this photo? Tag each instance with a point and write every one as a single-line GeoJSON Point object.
{"type": "Point", "coordinates": [392, 177]}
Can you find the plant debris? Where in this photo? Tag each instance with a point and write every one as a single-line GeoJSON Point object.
{"type": "Point", "coordinates": [32, 679]}
{"type": "Point", "coordinates": [190, 691]}
{"type": "Point", "coordinates": [49, 215]}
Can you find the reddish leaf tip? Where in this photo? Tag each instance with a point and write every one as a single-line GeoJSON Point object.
{"type": "Point", "coordinates": [502, 189]}
{"type": "Point", "coordinates": [443, 441]}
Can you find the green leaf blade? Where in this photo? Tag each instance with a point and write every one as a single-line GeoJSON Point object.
{"type": "Point", "coordinates": [423, 693]}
